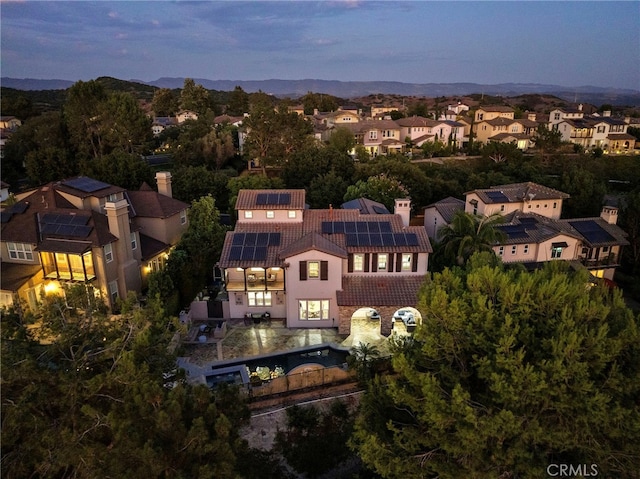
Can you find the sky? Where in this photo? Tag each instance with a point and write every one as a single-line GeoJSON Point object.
{"type": "Point", "coordinates": [565, 43]}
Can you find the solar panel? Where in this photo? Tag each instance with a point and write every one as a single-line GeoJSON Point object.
{"type": "Point", "coordinates": [327, 228]}
{"type": "Point", "coordinates": [49, 228]}
{"type": "Point", "coordinates": [412, 239]}
{"type": "Point", "coordinates": [349, 227]}
{"type": "Point", "coordinates": [262, 239]}
{"type": "Point", "coordinates": [49, 218]}
{"type": "Point", "coordinates": [273, 199]}
{"type": "Point", "coordinates": [528, 221]}
{"type": "Point", "coordinates": [274, 239]}
{"type": "Point", "coordinates": [362, 227]}
{"type": "Point", "coordinates": [592, 231]}
{"type": "Point", "coordinates": [261, 199]}
{"type": "Point", "coordinates": [65, 230]}
{"type": "Point", "coordinates": [497, 196]}
{"type": "Point", "coordinates": [238, 239]}
{"type": "Point", "coordinates": [250, 239]}
{"type": "Point", "coordinates": [79, 220]}
{"type": "Point", "coordinates": [352, 239]}
{"type": "Point", "coordinates": [387, 239]}
{"type": "Point", "coordinates": [88, 185]}
{"type": "Point", "coordinates": [260, 253]}
{"type": "Point", "coordinates": [6, 216]}
{"type": "Point", "coordinates": [338, 227]}
{"type": "Point", "coordinates": [364, 239]}
{"type": "Point", "coordinates": [376, 239]}
{"type": "Point", "coordinates": [400, 239]}
{"type": "Point", "coordinates": [284, 199]}
{"type": "Point", "coordinates": [81, 231]}
{"type": "Point", "coordinates": [235, 253]}
{"type": "Point", "coordinates": [374, 227]}
{"type": "Point", "coordinates": [247, 253]}
{"type": "Point", "coordinates": [385, 227]}
{"type": "Point", "coordinates": [379, 210]}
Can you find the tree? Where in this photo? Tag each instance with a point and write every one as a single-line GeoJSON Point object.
{"type": "Point", "coordinates": [342, 139]}
{"type": "Point", "coordinates": [381, 188]}
{"type": "Point", "coordinates": [94, 401]}
{"type": "Point", "coordinates": [119, 168]}
{"type": "Point", "coordinates": [49, 164]}
{"type": "Point", "coordinates": [499, 152]}
{"type": "Point", "coordinates": [468, 234]}
{"type": "Point", "coordinates": [82, 111]}
{"type": "Point", "coordinates": [586, 192]}
{"type": "Point", "coordinates": [361, 358]}
{"type": "Point", "coordinates": [547, 140]}
{"type": "Point", "coordinates": [194, 97]}
{"type": "Point", "coordinates": [164, 102]}
{"type": "Point", "coordinates": [327, 189]}
{"type": "Point", "coordinates": [238, 102]}
{"type": "Point", "coordinates": [510, 372]}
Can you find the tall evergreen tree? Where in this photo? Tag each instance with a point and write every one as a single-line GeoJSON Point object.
{"type": "Point", "coordinates": [510, 372]}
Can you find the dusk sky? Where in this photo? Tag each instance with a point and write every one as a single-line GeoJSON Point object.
{"type": "Point", "coordinates": [563, 43]}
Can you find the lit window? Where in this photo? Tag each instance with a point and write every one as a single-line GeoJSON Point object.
{"type": "Point", "coordinates": [248, 214]}
{"type": "Point", "coordinates": [183, 217]}
{"type": "Point", "coordinates": [382, 262]}
{"type": "Point", "coordinates": [314, 309]}
{"type": "Point", "coordinates": [108, 253]}
{"type": "Point", "coordinates": [292, 213]}
{"type": "Point", "coordinates": [20, 251]}
{"type": "Point", "coordinates": [406, 262]}
{"type": "Point", "coordinates": [271, 214]}
{"type": "Point", "coordinates": [556, 251]}
{"type": "Point", "coordinates": [260, 298]}
{"type": "Point", "coordinates": [313, 269]}
{"type": "Point", "coordinates": [134, 241]}
{"type": "Point", "coordinates": [514, 249]}
{"type": "Point", "coordinates": [358, 262]}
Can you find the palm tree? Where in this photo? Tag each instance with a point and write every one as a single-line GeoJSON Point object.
{"type": "Point", "coordinates": [361, 358]}
{"type": "Point", "coordinates": [468, 234]}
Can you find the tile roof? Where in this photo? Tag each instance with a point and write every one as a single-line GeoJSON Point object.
{"type": "Point", "coordinates": [312, 241]}
{"type": "Point", "coordinates": [394, 290]}
{"type": "Point", "coordinates": [504, 136]}
{"type": "Point", "coordinates": [595, 231]}
{"type": "Point", "coordinates": [497, 108]}
{"type": "Point", "coordinates": [151, 204]}
{"type": "Point", "coordinates": [151, 247]}
{"type": "Point", "coordinates": [65, 187]}
{"type": "Point", "coordinates": [248, 200]}
{"type": "Point", "coordinates": [447, 207]}
{"type": "Point", "coordinates": [517, 192]}
{"type": "Point", "coordinates": [365, 206]}
{"type": "Point", "coordinates": [15, 275]}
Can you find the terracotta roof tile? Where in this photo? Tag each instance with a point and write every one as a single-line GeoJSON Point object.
{"type": "Point", "coordinates": [380, 290]}
{"type": "Point", "coordinates": [151, 204]}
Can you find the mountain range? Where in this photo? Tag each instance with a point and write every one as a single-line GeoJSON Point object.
{"type": "Point", "coordinates": [352, 89]}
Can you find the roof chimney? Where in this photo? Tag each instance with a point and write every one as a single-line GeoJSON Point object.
{"type": "Point", "coordinates": [163, 178]}
{"type": "Point", "coordinates": [403, 208]}
{"type": "Point", "coordinates": [609, 214]}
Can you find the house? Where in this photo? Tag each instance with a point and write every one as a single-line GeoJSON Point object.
{"type": "Point", "coordinates": [416, 129]}
{"type": "Point", "coordinates": [379, 137]}
{"type": "Point", "coordinates": [440, 213]}
{"type": "Point", "coordinates": [526, 197]}
{"type": "Point", "coordinates": [81, 230]}
{"type": "Point", "coordinates": [566, 113]}
{"type": "Point", "coordinates": [595, 131]}
{"type": "Point", "coordinates": [336, 118]}
{"type": "Point", "coordinates": [185, 115]}
{"type": "Point", "coordinates": [317, 267]}
{"type": "Point", "coordinates": [366, 206]}
{"type": "Point", "coordinates": [506, 130]}
{"type": "Point", "coordinates": [494, 111]}
{"type": "Point", "coordinates": [4, 191]}
{"type": "Point", "coordinates": [534, 232]}
{"type": "Point", "coordinates": [160, 123]}
{"type": "Point", "coordinates": [10, 123]}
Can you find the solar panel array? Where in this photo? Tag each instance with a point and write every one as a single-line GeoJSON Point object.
{"type": "Point", "coordinates": [497, 196]}
{"type": "Point", "coordinates": [65, 225]}
{"type": "Point", "coordinates": [88, 185]}
{"type": "Point", "coordinates": [341, 227]}
{"type": "Point", "coordinates": [592, 231]}
{"type": "Point", "coordinates": [248, 253]}
{"type": "Point", "coordinates": [273, 199]}
{"type": "Point", "coordinates": [515, 231]}
{"type": "Point", "coordinates": [256, 239]}
{"type": "Point", "coordinates": [382, 239]}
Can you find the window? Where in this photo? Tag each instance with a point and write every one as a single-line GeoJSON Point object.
{"type": "Point", "coordinates": [555, 205]}
{"type": "Point", "coordinates": [605, 249]}
{"type": "Point", "coordinates": [271, 214]}
{"type": "Point", "coordinates": [556, 116]}
{"type": "Point", "coordinates": [406, 262]}
{"type": "Point", "coordinates": [260, 298]}
{"type": "Point", "coordinates": [556, 251]}
{"type": "Point", "coordinates": [358, 262]}
{"type": "Point", "coordinates": [248, 214]}
{"type": "Point", "coordinates": [183, 217]}
{"type": "Point", "coordinates": [382, 261]}
{"type": "Point", "coordinates": [20, 251]}
{"type": "Point", "coordinates": [108, 253]}
{"type": "Point", "coordinates": [601, 129]}
{"type": "Point", "coordinates": [501, 251]}
{"type": "Point", "coordinates": [526, 249]}
{"type": "Point", "coordinates": [112, 198]}
{"type": "Point", "coordinates": [501, 207]}
{"type": "Point", "coordinates": [314, 309]}
{"type": "Point", "coordinates": [113, 291]}
{"type": "Point", "coordinates": [134, 241]}
{"type": "Point", "coordinates": [373, 135]}
{"type": "Point", "coordinates": [313, 271]}
{"type": "Point", "coordinates": [292, 213]}
{"type": "Point", "coordinates": [514, 249]}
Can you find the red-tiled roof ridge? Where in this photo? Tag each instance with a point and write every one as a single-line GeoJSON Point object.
{"type": "Point", "coordinates": [313, 241]}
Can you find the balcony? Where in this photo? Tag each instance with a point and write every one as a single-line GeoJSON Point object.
{"type": "Point", "coordinates": [608, 260]}
{"type": "Point", "coordinates": [271, 280]}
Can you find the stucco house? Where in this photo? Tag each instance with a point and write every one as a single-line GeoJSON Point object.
{"type": "Point", "coordinates": [81, 230]}
{"type": "Point", "coordinates": [379, 137]}
{"type": "Point", "coordinates": [317, 267]}
{"type": "Point", "coordinates": [485, 113]}
{"type": "Point", "coordinates": [533, 229]}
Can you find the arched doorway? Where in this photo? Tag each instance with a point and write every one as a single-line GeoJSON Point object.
{"type": "Point", "coordinates": [365, 327]}
{"type": "Point", "coordinates": [405, 320]}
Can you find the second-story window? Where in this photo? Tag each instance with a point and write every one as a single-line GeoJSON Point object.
{"type": "Point", "coordinates": [406, 261]}
{"type": "Point", "coordinates": [514, 249]}
{"type": "Point", "coordinates": [358, 262]}
{"type": "Point", "coordinates": [501, 251]}
{"type": "Point", "coordinates": [373, 135]}
{"type": "Point", "coordinates": [134, 241]}
{"type": "Point", "coordinates": [383, 259]}
{"type": "Point", "coordinates": [20, 251]}
{"type": "Point", "coordinates": [271, 214]}
{"type": "Point", "coordinates": [313, 269]}
{"type": "Point", "coordinates": [248, 214]}
{"type": "Point", "coordinates": [292, 214]}
{"type": "Point", "coordinates": [556, 252]}
{"type": "Point", "coordinates": [183, 217]}
{"type": "Point", "coordinates": [526, 249]}
{"type": "Point", "coordinates": [108, 253]}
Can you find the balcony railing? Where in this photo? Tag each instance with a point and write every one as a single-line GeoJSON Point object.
{"type": "Point", "coordinates": [609, 260]}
